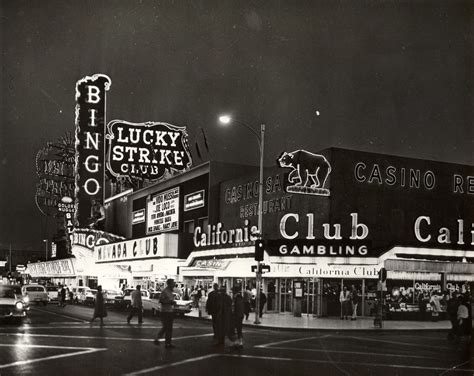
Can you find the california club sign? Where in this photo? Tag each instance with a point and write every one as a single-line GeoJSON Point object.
{"type": "Point", "coordinates": [146, 150]}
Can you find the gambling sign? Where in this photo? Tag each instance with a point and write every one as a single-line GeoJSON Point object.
{"type": "Point", "coordinates": [146, 150]}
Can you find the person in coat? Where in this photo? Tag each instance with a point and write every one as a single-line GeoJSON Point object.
{"type": "Point", "coordinates": [99, 306]}
{"type": "Point", "coordinates": [247, 302]}
{"type": "Point", "coordinates": [345, 299]}
{"type": "Point", "coordinates": [137, 305]}
{"type": "Point", "coordinates": [167, 314]}
{"type": "Point", "coordinates": [263, 301]}
{"type": "Point", "coordinates": [354, 302]}
{"type": "Point", "coordinates": [211, 307]}
{"type": "Point", "coordinates": [238, 314]}
{"type": "Point", "coordinates": [224, 319]}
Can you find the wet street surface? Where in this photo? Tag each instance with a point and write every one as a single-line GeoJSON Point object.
{"type": "Point", "coordinates": [61, 342]}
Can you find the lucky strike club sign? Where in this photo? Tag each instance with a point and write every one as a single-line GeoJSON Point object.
{"type": "Point", "coordinates": [146, 150]}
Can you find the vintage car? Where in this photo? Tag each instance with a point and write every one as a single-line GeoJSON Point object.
{"type": "Point", "coordinates": [125, 301]}
{"type": "Point", "coordinates": [13, 304]}
{"type": "Point", "coordinates": [111, 295]}
{"type": "Point", "coordinates": [180, 308]}
{"type": "Point", "coordinates": [35, 294]}
{"type": "Point", "coordinates": [90, 296]}
{"type": "Point", "coordinates": [80, 293]}
{"type": "Point", "coordinates": [53, 292]}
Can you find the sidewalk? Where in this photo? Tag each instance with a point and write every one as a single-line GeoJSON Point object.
{"type": "Point", "coordinates": [288, 321]}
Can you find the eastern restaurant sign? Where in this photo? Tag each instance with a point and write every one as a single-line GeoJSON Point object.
{"type": "Point", "coordinates": [90, 129]}
{"type": "Point", "coordinates": [146, 150]}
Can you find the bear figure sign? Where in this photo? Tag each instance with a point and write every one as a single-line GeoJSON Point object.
{"type": "Point", "coordinates": [309, 172]}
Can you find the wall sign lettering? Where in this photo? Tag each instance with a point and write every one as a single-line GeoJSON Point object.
{"type": "Point", "coordinates": [163, 212]}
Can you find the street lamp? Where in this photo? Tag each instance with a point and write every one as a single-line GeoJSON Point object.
{"type": "Point", "coordinates": [45, 241]}
{"type": "Point", "coordinates": [227, 119]}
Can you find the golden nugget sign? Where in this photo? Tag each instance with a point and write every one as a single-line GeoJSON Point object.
{"type": "Point", "coordinates": [146, 150]}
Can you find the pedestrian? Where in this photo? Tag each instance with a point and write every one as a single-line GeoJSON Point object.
{"type": "Point", "coordinates": [167, 314]}
{"type": "Point", "coordinates": [99, 306]}
{"type": "Point", "coordinates": [238, 314]}
{"type": "Point", "coordinates": [136, 305]}
{"type": "Point", "coordinates": [355, 302]}
{"type": "Point", "coordinates": [452, 310]}
{"type": "Point", "coordinates": [464, 323]}
{"type": "Point", "coordinates": [344, 299]}
{"type": "Point", "coordinates": [247, 299]}
{"type": "Point", "coordinates": [63, 297]}
{"type": "Point", "coordinates": [435, 306]}
{"type": "Point", "coordinates": [71, 296]}
{"type": "Point", "coordinates": [211, 307]}
{"type": "Point", "coordinates": [224, 322]}
{"type": "Point", "coordinates": [186, 293]}
{"type": "Point", "coordinates": [263, 301]}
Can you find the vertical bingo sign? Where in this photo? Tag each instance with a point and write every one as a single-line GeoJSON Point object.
{"type": "Point", "coordinates": [90, 149]}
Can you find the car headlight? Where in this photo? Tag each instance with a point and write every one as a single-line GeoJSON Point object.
{"type": "Point", "coordinates": [26, 299]}
{"type": "Point", "coordinates": [19, 305]}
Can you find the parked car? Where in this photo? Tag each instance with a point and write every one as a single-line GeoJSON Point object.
{"type": "Point", "coordinates": [35, 294]}
{"type": "Point", "coordinates": [180, 308]}
{"type": "Point", "coordinates": [111, 295]}
{"type": "Point", "coordinates": [79, 294]}
{"type": "Point", "coordinates": [53, 293]}
{"type": "Point", "coordinates": [90, 296]}
{"type": "Point", "coordinates": [125, 300]}
{"type": "Point", "coordinates": [13, 304]}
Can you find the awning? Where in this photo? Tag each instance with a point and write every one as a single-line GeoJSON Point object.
{"type": "Point", "coordinates": [429, 266]}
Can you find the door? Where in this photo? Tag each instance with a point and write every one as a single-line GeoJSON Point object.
{"type": "Point", "coordinates": [310, 304]}
{"type": "Point", "coordinates": [272, 296]}
{"type": "Point", "coordinates": [286, 295]}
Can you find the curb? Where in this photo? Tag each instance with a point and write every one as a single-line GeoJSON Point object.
{"type": "Point", "coordinates": [299, 329]}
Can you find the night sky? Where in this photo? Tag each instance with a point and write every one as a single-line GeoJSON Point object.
{"type": "Point", "coordinates": [385, 76]}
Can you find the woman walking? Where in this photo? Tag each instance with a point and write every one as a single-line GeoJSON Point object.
{"type": "Point", "coordinates": [99, 306]}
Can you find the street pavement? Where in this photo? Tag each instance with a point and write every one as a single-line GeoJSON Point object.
{"type": "Point", "coordinates": [61, 341]}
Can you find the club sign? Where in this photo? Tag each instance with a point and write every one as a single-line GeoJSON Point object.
{"type": "Point", "coordinates": [146, 150]}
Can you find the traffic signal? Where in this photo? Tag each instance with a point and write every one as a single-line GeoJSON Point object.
{"type": "Point", "coordinates": [383, 274]}
{"type": "Point", "coordinates": [259, 249]}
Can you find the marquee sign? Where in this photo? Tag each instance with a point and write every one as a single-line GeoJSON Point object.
{"type": "Point", "coordinates": [163, 212]}
{"type": "Point", "coordinates": [56, 268]}
{"type": "Point", "coordinates": [90, 128]}
{"type": "Point", "coordinates": [163, 245]}
{"type": "Point", "coordinates": [146, 150]}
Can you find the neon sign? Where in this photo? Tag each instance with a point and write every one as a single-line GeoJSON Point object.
{"type": "Point", "coordinates": [90, 128]}
{"type": "Point", "coordinates": [146, 150]}
{"type": "Point", "coordinates": [309, 172]}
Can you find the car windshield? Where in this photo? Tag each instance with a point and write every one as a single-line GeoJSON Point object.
{"type": "Point", "coordinates": [35, 288]}
{"type": "Point", "coordinates": [9, 291]}
{"type": "Point", "coordinates": [51, 288]}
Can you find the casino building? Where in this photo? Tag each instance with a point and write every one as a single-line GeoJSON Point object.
{"type": "Point", "coordinates": [330, 219]}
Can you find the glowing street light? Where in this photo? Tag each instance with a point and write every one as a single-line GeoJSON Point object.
{"type": "Point", "coordinates": [226, 119]}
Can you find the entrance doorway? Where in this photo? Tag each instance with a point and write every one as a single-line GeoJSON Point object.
{"type": "Point", "coordinates": [311, 294]}
{"type": "Point", "coordinates": [286, 295]}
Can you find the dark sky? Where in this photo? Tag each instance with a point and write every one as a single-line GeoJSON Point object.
{"type": "Point", "coordinates": [386, 76]}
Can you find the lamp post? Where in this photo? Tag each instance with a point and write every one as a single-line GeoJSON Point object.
{"type": "Point", "coordinates": [45, 241]}
{"type": "Point", "coordinates": [226, 119]}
